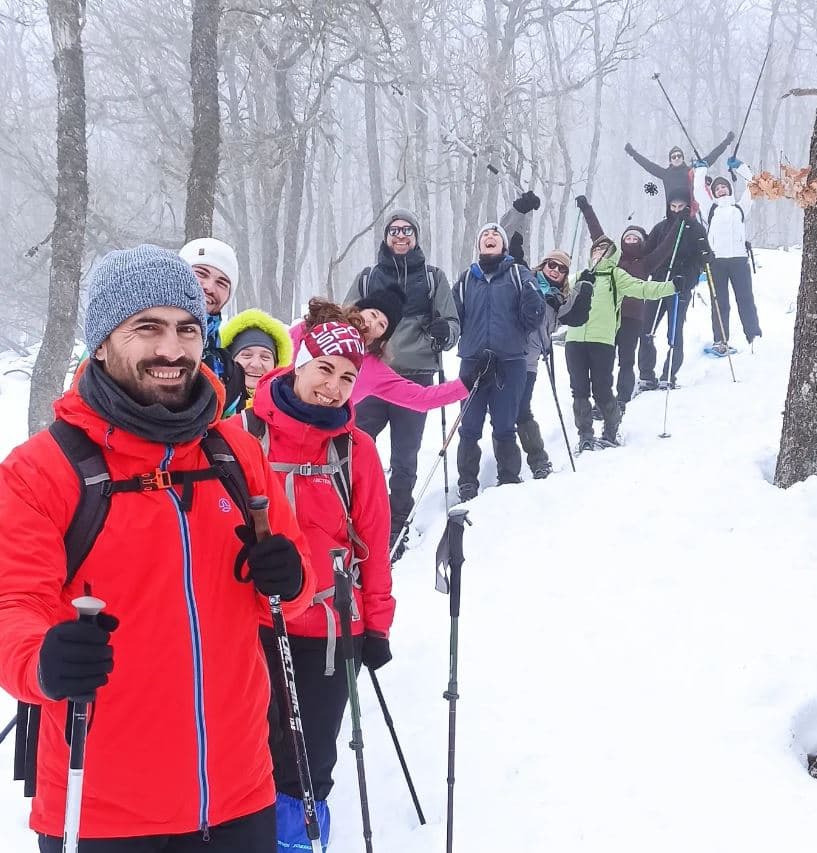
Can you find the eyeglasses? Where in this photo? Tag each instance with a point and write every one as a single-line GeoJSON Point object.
{"type": "Point", "coordinates": [397, 230]}
{"type": "Point", "coordinates": [555, 265]}
{"type": "Point", "coordinates": [676, 156]}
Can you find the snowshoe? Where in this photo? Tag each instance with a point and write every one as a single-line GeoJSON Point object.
{"type": "Point", "coordinates": [586, 444]}
{"type": "Point", "coordinates": [605, 441]}
{"type": "Point", "coordinates": [663, 384]}
{"type": "Point", "coordinates": [543, 471]}
{"type": "Point", "coordinates": [647, 385]}
{"type": "Point", "coordinates": [720, 350]}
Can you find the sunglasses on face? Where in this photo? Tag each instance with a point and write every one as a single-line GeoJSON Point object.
{"type": "Point", "coordinates": [677, 157]}
{"type": "Point", "coordinates": [397, 230]}
{"type": "Point", "coordinates": [555, 265]}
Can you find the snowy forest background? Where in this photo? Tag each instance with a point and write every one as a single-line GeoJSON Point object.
{"type": "Point", "coordinates": [331, 112]}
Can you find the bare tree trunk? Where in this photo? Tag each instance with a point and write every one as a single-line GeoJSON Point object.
{"type": "Point", "coordinates": [373, 147]}
{"type": "Point", "coordinates": [68, 238]}
{"type": "Point", "coordinates": [798, 443]}
{"type": "Point", "coordinates": [201, 182]}
{"type": "Point", "coordinates": [292, 226]}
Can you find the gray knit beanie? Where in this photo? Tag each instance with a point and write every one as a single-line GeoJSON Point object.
{"type": "Point", "coordinates": [128, 281]}
{"type": "Point", "coordinates": [406, 216]}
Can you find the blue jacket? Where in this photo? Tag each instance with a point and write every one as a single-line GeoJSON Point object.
{"type": "Point", "coordinates": [497, 309]}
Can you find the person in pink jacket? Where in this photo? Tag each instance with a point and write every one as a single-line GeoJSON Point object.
{"type": "Point", "coordinates": [376, 378]}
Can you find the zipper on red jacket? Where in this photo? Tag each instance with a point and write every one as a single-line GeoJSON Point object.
{"type": "Point", "coordinates": [198, 669]}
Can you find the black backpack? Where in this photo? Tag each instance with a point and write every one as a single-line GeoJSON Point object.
{"type": "Point", "coordinates": [96, 491]}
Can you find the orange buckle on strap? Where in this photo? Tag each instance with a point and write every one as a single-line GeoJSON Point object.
{"type": "Point", "coordinates": [157, 479]}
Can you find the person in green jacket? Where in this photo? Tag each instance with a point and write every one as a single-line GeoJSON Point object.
{"type": "Point", "coordinates": [590, 349]}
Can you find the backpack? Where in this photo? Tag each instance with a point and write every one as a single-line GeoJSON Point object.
{"type": "Point", "coordinates": [338, 468]}
{"type": "Point", "coordinates": [96, 491]}
{"type": "Point", "coordinates": [712, 213]}
{"type": "Point", "coordinates": [363, 286]}
{"type": "Point", "coordinates": [462, 285]}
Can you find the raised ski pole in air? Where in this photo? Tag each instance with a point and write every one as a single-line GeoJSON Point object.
{"type": "Point", "coordinates": [448, 581]}
{"type": "Point", "coordinates": [88, 608]}
{"type": "Point", "coordinates": [657, 77]}
{"type": "Point", "coordinates": [259, 506]}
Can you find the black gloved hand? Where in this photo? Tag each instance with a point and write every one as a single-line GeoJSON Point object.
{"type": "Point", "coordinates": [440, 331]}
{"type": "Point", "coordinates": [274, 564]}
{"type": "Point", "coordinates": [76, 657]}
{"type": "Point", "coordinates": [527, 202]}
{"type": "Point", "coordinates": [376, 650]}
{"type": "Point", "coordinates": [730, 136]}
{"type": "Point", "coordinates": [516, 248]}
{"type": "Point", "coordinates": [581, 202]}
{"type": "Point", "coordinates": [555, 299]}
{"type": "Point", "coordinates": [588, 276]}
{"type": "Point", "coordinates": [484, 369]}
{"type": "Point", "coordinates": [707, 255]}
{"type": "Point", "coordinates": [628, 148]}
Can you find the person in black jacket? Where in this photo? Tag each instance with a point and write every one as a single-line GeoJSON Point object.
{"type": "Point", "coordinates": [499, 305]}
{"type": "Point", "coordinates": [429, 326]}
{"type": "Point", "coordinates": [676, 175]}
{"type": "Point", "coordinates": [684, 272]}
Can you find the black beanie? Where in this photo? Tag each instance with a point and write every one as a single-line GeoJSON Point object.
{"type": "Point", "coordinates": [390, 300]}
{"type": "Point", "coordinates": [720, 180]}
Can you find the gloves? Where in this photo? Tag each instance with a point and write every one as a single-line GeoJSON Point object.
{"type": "Point", "coordinates": [582, 203]}
{"type": "Point", "coordinates": [554, 298]}
{"type": "Point", "coordinates": [76, 657]}
{"type": "Point", "coordinates": [440, 331]}
{"type": "Point", "coordinates": [588, 276]}
{"type": "Point", "coordinates": [527, 202]}
{"type": "Point", "coordinates": [729, 137]}
{"type": "Point", "coordinates": [485, 369]}
{"type": "Point", "coordinates": [733, 163]}
{"type": "Point", "coordinates": [629, 149]}
{"type": "Point", "coordinates": [376, 650]}
{"type": "Point", "coordinates": [650, 188]}
{"type": "Point", "coordinates": [700, 164]}
{"type": "Point", "coordinates": [274, 564]}
{"type": "Point", "coordinates": [516, 248]}
{"type": "Point", "coordinates": [707, 255]}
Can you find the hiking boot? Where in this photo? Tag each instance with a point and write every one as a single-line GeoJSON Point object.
{"type": "Point", "coordinates": [530, 437]}
{"type": "Point", "coordinates": [647, 384]}
{"type": "Point", "coordinates": [543, 471]}
{"type": "Point", "coordinates": [586, 444]}
{"type": "Point", "coordinates": [467, 491]}
{"type": "Point", "coordinates": [720, 348]}
{"type": "Point", "coordinates": [508, 461]}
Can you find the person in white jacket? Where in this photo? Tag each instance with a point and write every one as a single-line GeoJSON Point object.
{"type": "Point", "coordinates": [726, 223]}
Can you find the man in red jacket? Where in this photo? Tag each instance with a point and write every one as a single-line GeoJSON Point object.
{"type": "Point", "coordinates": [177, 755]}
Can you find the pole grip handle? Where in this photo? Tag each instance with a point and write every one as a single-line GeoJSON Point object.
{"type": "Point", "coordinates": [259, 511]}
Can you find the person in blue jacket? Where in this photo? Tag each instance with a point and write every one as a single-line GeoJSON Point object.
{"type": "Point", "coordinates": [498, 305]}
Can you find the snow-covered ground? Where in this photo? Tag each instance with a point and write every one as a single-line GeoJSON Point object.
{"type": "Point", "coordinates": [637, 660]}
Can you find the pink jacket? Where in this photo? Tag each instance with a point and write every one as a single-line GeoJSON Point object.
{"type": "Point", "coordinates": [377, 379]}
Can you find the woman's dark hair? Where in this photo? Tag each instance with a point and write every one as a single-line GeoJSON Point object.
{"type": "Point", "coordinates": [323, 311]}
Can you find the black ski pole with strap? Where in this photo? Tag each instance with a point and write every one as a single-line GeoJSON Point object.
{"type": "Point", "coordinates": [400, 757]}
{"type": "Point", "coordinates": [657, 77]}
{"type": "Point", "coordinates": [88, 608]}
{"type": "Point", "coordinates": [343, 604]}
{"type": "Point", "coordinates": [549, 366]}
{"type": "Point", "coordinates": [285, 672]}
{"type": "Point", "coordinates": [749, 109]}
{"type": "Point", "coordinates": [448, 581]}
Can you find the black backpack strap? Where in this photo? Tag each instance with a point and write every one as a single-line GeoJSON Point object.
{"type": "Point", "coordinates": [25, 747]}
{"type": "Point", "coordinates": [256, 426]}
{"type": "Point", "coordinates": [363, 286]}
{"type": "Point", "coordinates": [94, 496]}
{"type": "Point", "coordinates": [342, 478]}
{"type": "Point", "coordinates": [222, 459]}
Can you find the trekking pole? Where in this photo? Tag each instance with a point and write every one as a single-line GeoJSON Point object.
{"type": "Point", "coordinates": [658, 314]}
{"type": "Point", "coordinates": [440, 456]}
{"type": "Point", "coordinates": [720, 318]}
{"type": "Point", "coordinates": [88, 608]}
{"type": "Point", "coordinates": [749, 110]}
{"type": "Point", "coordinates": [400, 757]}
{"type": "Point", "coordinates": [657, 77]}
{"type": "Point", "coordinates": [552, 376]}
{"type": "Point", "coordinates": [575, 233]}
{"type": "Point", "coordinates": [665, 434]}
{"type": "Point", "coordinates": [259, 506]}
{"type": "Point", "coordinates": [448, 581]}
{"type": "Point", "coordinates": [441, 381]}
{"type": "Point", "coordinates": [8, 727]}
{"type": "Point", "coordinates": [343, 604]}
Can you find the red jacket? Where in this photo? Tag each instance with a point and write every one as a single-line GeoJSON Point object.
{"type": "Point", "coordinates": [179, 734]}
{"type": "Point", "coordinates": [322, 518]}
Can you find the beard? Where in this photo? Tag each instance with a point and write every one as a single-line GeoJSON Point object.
{"type": "Point", "coordinates": [145, 390]}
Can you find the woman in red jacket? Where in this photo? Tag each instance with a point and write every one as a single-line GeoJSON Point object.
{"type": "Point", "coordinates": [305, 409]}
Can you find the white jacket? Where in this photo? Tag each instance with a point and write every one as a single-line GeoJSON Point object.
{"type": "Point", "coordinates": [727, 230]}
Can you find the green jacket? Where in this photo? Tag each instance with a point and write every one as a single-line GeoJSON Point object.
{"type": "Point", "coordinates": [612, 285]}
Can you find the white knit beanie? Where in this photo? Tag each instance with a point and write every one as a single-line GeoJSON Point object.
{"type": "Point", "coordinates": [212, 253]}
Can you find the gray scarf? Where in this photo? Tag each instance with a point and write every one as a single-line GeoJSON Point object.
{"type": "Point", "coordinates": [154, 422]}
